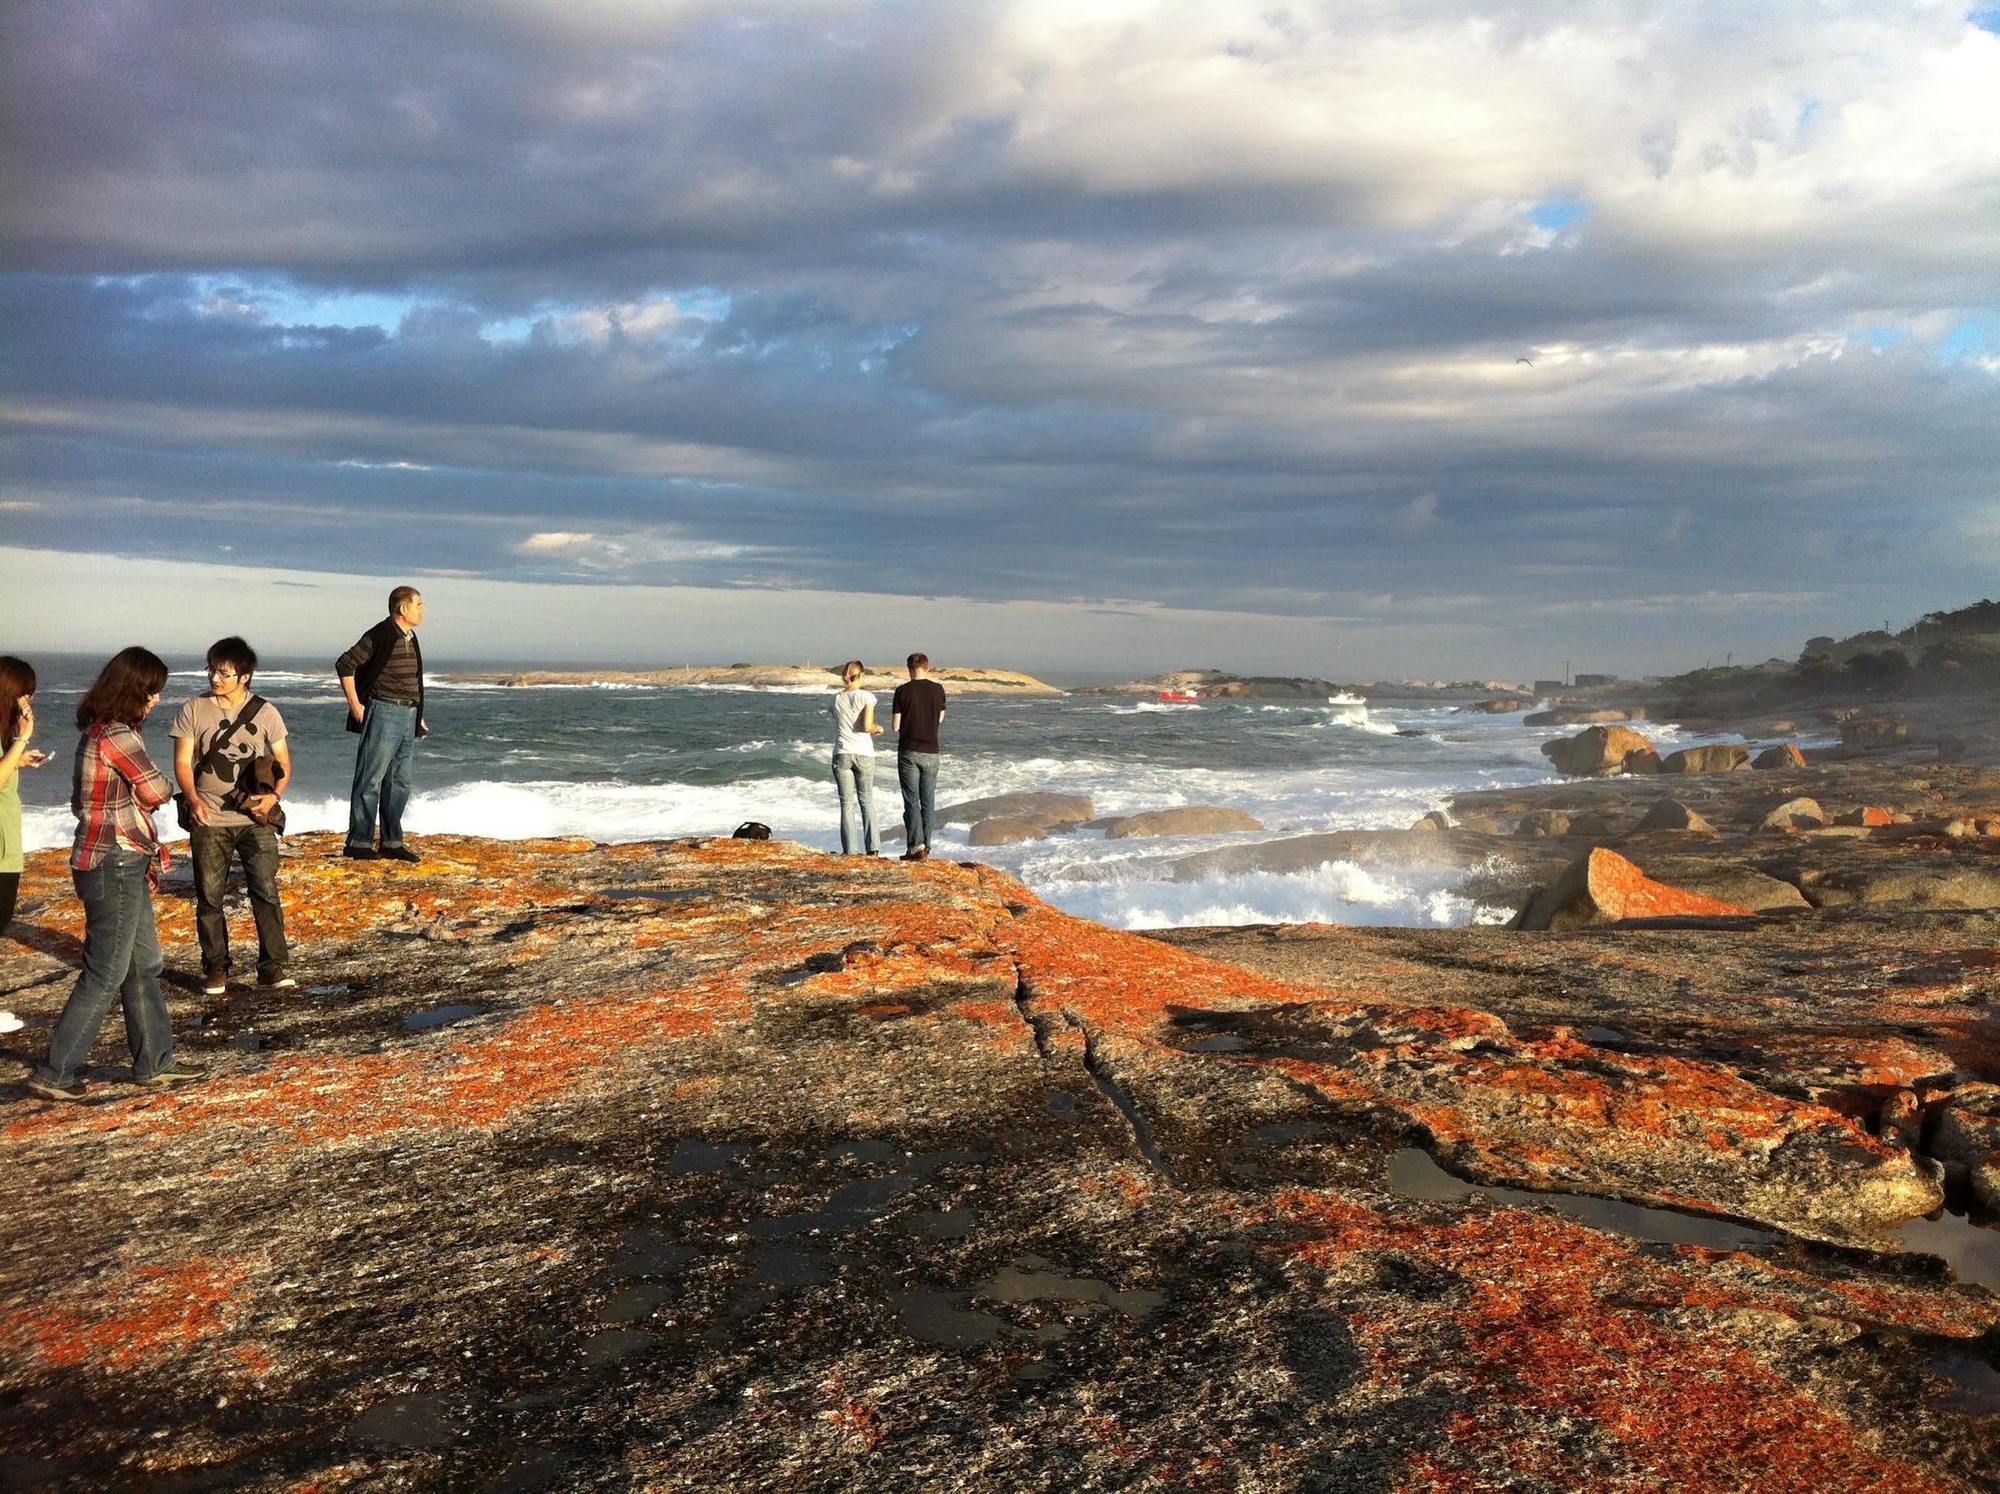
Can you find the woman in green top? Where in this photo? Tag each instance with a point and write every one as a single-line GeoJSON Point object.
{"type": "Point", "coordinates": [17, 725]}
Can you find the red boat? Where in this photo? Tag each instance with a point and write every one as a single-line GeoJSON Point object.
{"type": "Point", "coordinates": [1178, 697]}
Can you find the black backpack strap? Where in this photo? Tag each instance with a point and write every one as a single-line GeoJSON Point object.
{"type": "Point", "coordinates": [222, 737]}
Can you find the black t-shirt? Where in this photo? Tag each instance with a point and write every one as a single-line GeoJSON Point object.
{"type": "Point", "coordinates": [920, 703]}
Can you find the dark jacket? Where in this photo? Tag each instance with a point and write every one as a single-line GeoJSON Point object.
{"type": "Point", "coordinates": [381, 640]}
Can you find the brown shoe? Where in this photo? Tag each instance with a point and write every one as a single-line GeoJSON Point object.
{"type": "Point", "coordinates": [920, 853]}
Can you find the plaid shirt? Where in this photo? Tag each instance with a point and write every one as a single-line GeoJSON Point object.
{"type": "Point", "coordinates": [113, 795]}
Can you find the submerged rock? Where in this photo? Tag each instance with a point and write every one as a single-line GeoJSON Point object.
{"type": "Point", "coordinates": [1194, 819]}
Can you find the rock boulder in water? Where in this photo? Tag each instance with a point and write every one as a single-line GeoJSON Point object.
{"type": "Point", "coordinates": [1583, 716]}
{"type": "Point", "coordinates": [1596, 752]}
{"type": "Point", "coordinates": [1194, 819]}
{"type": "Point", "coordinates": [1006, 830]}
{"type": "Point", "coordinates": [1543, 822]}
{"type": "Point", "coordinates": [1723, 758]}
{"type": "Point", "coordinates": [1786, 755]}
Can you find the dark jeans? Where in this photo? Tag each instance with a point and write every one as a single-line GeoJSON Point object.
{"type": "Point", "coordinates": [121, 958]}
{"type": "Point", "coordinates": [382, 774]}
{"type": "Point", "coordinates": [10, 889]}
{"type": "Point", "coordinates": [917, 773]}
{"type": "Point", "coordinates": [256, 846]}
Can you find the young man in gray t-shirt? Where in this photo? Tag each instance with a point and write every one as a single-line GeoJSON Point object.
{"type": "Point", "coordinates": [227, 816]}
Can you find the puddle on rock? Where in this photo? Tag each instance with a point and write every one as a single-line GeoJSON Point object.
{"type": "Point", "coordinates": [645, 1251]}
{"type": "Point", "coordinates": [1414, 1173]}
{"type": "Point", "coordinates": [416, 1421]}
{"type": "Point", "coordinates": [1218, 1042]}
{"type": "Point", "coordinates": [1018, 1284]}
{"type": "Point", "coordinates": [442, 1016]}
{"type": "Point", "coordinates": [785, 1266]}
{"type": "Point", "coordinates": [860, 1202]}
{"type": "Point", "coordinates": [614, 1344]}
{"type": "Point", "coordinates": [247, 1042]}
{"type": "Point", "coordinates": [864, 1151]}
{"type": "Point", "coordinates": [1975, 1383]}
{"type": "Point", "coordinates": [338, 990]}
{"type": "Point", "coordinates": [944, 1224]}
{"type": "Point", "coordinates": [940, 1318]}
{"type": "Point", "coordinates": [691, 1155]}
{"type": "Point", "coordinates": [1971, 1250]}
{"type": "Point", "coordinates": [638, 1302]}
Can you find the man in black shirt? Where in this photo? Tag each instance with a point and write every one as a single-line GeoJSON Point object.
{"type": "Point", "coordinates": [383, 677]}
{"type": "Point", "coordinates": [918, 712]}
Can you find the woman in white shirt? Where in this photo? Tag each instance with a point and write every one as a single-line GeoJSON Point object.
{"type": "Point", "coordinates": [854, 733]}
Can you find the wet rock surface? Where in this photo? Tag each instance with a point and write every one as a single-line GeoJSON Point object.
{"type": "Point", "coordinates": [740, 1166]}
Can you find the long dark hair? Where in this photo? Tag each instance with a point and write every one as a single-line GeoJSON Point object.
{"type": "Point", "coordinates": [122, 688]}
{"type": "Point", "coordinates": [17, 678]}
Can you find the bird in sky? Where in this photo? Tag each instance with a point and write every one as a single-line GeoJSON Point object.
{"type": "Point", "coordinates": [1524, 360]}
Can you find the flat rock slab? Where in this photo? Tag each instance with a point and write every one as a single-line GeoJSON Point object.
{"type": "Point", "coordinates": [766, 1169]}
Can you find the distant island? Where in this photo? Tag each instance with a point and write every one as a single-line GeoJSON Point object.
{"type": "Point", "coordinates": [1217, 684]}
{"type": "Point", "coordinates": [766, 677]}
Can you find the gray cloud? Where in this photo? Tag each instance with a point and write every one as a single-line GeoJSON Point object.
{"type": "Point", "coordinates": [1219, 312]}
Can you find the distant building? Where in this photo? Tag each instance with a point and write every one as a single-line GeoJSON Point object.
{"type": "Point", "coordinates": [1549, 687]}
{"type": "Point", "coordinates": [1586, 681]}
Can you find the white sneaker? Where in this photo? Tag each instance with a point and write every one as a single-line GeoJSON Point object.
{"type": "Point", "coordinates": [10, 1023]}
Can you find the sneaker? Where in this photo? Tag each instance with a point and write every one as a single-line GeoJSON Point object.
{"type": "Point", "coordinates": [360, 853]}
{"type": "Point", "coordinates": [10, 1023]}
{"type": "Point", "coordinates": [399, 853]}
{"type": "Point", "coordinates": [214, 985]}
{"type": "Point", "coordinates": [173, 1073]}
{"type": "Point", "coordinates": [48, 1091]}
{"type": "Point", "coordinates": [278, 983]}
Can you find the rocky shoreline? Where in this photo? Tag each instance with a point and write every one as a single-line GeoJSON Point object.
{"type": "Point", "coordinates": [731, 1164]}
{"type": "Point", "coordinates": [966, 681]}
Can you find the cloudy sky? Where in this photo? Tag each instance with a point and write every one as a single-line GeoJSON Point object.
{"type": "Point", "coordinates": [1068, 333]}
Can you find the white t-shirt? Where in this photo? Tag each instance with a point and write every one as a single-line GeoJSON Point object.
{"type": "Point", "coordinates": [848, 735]}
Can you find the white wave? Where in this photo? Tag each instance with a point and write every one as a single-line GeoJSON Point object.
{"type": "Point", "coordinates": [1336, 892]}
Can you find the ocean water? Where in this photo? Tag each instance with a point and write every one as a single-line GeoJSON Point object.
{"type": "Point", "coordinates": [634, 763]}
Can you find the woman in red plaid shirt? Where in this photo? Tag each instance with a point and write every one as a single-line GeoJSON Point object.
{"type": "Point", "coordinates": [115, 864]}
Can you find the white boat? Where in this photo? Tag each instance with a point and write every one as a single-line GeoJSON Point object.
{"type": "Point", "coordinates": [1347, 710]}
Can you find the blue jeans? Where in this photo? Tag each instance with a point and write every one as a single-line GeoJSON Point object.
{"type": "Point", "coordinates": [917, 773]}
{"type": "Point", "coordinates": [854, 776]}
{"type": "Point", "coordinates": [121, 958]}
{"type": "Point", "coordinates": [381, 775]}
{"type": "Point", "coordinates": [256, 846]}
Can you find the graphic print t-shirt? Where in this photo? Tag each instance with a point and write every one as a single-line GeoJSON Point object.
{"type": "Point", "coordinates": [920, 703]}
{"type": "Point", "coordinates": [202, 719]}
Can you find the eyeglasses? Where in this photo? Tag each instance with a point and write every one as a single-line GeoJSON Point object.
{"type": "Point", "coordinates": [224, 674]}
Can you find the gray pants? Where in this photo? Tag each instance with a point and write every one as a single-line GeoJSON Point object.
{"type": "Point", "coordinates": [917, 773]}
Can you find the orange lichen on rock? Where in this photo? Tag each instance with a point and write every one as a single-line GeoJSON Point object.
{"type": "Point", "coordinates": [151, 1312]}
{"type": "Point", "coordinates": [1550, 1330]}
{"type": "Point", "coordinates": [534, 1058]}
{"type": "Point", "coordinates": [1120, 982]}
{"type": "Point", "coordinates": [1603, 887]}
